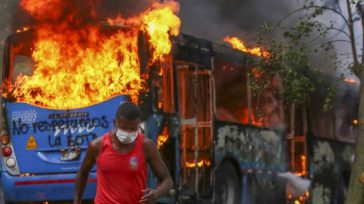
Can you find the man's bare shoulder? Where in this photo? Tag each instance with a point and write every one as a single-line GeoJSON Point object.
{"type": "Point", "coordinates": [149, 146]}
{"type": "Point", "coordinates": [148, 142]}
{"type": "Point", "coordinates": [95, 145]}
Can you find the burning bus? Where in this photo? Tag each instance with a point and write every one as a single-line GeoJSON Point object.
{"type": "Point", "coordinates": [221, 142]}
{"type": "Point", "coordinates": [198, 108]}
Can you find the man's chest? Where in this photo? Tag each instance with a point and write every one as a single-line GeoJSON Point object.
{"type": "Point", "coordinates": [113, 163]}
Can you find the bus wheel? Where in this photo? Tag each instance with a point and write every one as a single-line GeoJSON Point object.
{"type": "Point", "coordinates": [228, 185]}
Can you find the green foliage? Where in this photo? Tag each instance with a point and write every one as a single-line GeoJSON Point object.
{"type": "Point", "coordinates": [291, 52]}
{"type": "Point", "coordinates": [289, 59]}
{"type": "Point", "coordinates": [329, 99]}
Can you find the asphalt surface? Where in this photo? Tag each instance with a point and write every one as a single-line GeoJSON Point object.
{"type": "Point", "coordinates": [1, 195]}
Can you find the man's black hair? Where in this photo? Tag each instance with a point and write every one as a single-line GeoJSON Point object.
{"type": "Point", "coordinates": [128, 111]}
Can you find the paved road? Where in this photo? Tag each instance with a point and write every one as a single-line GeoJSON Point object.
{"type": "Point", "coordinates": [1, 195]}
{"type": "Point", "coordinates": [3, 202]}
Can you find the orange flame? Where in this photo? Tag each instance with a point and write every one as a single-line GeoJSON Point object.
{"type": "Point", "coordinates": [162, 138]}
{"type": "Point", "coordinates": [303, 171]}
{"type": "Point", "coordinates": [158, 24]}
{"type": "Point", "coordinates": [355, 121]}
{"type": "Point", "coordinates": [23, 29]}
{"type": "Point", "coordinates": [201, 163]}
{"type": "Point", "coordinates": [77, 65]}
{"type": "Point", "coordinates": [255, 120]}
{"type": "Point", "coordinates": [238, 44]}
{"type": "Point", "coordinates": [349, 80]}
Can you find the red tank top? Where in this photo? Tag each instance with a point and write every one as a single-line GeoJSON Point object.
{"type": "Point", "coordinates": [121, 177]}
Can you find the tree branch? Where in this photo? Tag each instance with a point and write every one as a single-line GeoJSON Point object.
{"type": "Point", "coordinates": [335, 41]}
{"type": "Point", "coordinates": [329, 28]}
{"type": "Point", "coordinates": [309, 8]}
{"type": "Point", "coordinates": [340, 31]}
{"type": "Point", "coordinates": [352, 34]}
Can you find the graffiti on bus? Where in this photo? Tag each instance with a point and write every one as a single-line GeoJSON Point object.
{"type": "Point", "coordinates": [71, 140]}
{"type": "Point", "coordinates": [252, 144]}
{"type": "Point", "coordinates": [60, 125]}
{"type": "Point", "coordinates": [330, 167]}
{"type": "Point", "coordinates": [62, 129]}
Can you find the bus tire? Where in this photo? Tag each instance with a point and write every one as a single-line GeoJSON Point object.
{"type": "Point", "coordinates": [228, 185]}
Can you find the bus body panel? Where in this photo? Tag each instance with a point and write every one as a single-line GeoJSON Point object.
{"type": "Point", "coordinates": [330, 166]}
{"type": "Point", "coordinates": [44, 176]}
{"type": "Point", "coordinates": [53, 187]}
{"type": "Point", "coordinates": [255, 149]}
{"type": "Point", "coordinates": [331, 141]}
{"type": "Point", "coordinates": [56, 131]}
{"type": "Point", "coordinates": [260, 155]}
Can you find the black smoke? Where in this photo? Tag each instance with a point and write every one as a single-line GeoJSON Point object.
{"type": "Point", "coordinates": [214, 19]}
{"type": "Point", "coordinates": [82, 11]}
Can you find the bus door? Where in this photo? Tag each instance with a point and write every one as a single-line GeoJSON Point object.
{"type": "Point", "coordinates": [297, 140]}
{"type": "Point", "coordinates": [195, 108]}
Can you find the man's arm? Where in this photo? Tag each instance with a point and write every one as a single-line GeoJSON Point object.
{"type": "Point", "coordinates": [160, 170]}
{"type": "Point", "coordinates": [86, 166]}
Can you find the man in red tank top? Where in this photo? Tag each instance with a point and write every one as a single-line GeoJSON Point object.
{"type": "Point", "coordinates": [121, 157]}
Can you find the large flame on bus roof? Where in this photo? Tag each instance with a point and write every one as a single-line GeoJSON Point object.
{"type": "Point", "coordinates": [238, 44]}
{"type": "Point", "coordinates": [77, 65]}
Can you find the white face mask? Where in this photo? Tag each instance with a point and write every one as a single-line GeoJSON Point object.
{"type": "Point", "coordinates": [126, 137]}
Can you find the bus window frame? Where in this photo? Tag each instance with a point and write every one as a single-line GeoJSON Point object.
{"type": "Point", "coordinates": [279, 100]}
{"type": "Point", "coordinates": [23, 37]}
{"type": "Point", "coordinates": [195, 123]}
{"type": "Point", "coordinates": [245, 104]}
